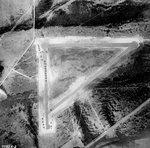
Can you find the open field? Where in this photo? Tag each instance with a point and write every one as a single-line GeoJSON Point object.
{"type": "Point", "coordinates": [75, 73]}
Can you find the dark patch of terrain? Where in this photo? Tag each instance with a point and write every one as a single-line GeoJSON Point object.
{"type": "Point", "coordinates": [1, 68]}
{"type": "Point", "coordinates": [90, 14]}
{"type": "Point", "coordinates": [32, 126]}
{"type": "Point", "coordinates": [14, 125]}
{"type": "Point", "coordinates": [43, 6]}
{"type": "Point", "coordinates": [88, 136]}
{"type": "Point", "coordinates": [26, 25]}
{"type": "Point", "coordinates": [85, 13]}
{"type": "Point", "coordinates": [114, 104]}
{"type": "Point", "coordinates": [135, 128]}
